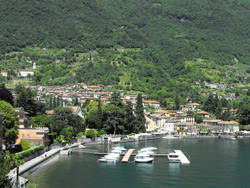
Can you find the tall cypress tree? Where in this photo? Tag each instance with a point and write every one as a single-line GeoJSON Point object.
{"type": "Point", "coordinates": [177, 102]}
{"type": "Point", "coordinates": [54, 102]}
{"type": "Point", "coordinates": [50, 103]}
{"type": "Point", "coordinates": [57, 101]}
{"type": "Point", "coordinates": [129, 120]}
{"type": "Point", "coordinates": [139, 113]}
{"type": "Point", "coordinates": [99, 115]}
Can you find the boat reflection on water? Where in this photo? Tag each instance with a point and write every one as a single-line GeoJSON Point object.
{"type": "Point", "coordinates": [174, 168]}
{"type": "Point", "coordinates": [145, 167]}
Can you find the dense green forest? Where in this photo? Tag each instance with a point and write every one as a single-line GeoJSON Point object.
{"type": "Point", "coordinates": [147, 45]}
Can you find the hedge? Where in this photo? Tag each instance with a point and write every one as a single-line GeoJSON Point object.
{"type": "Point", "coordinates": [25, 145]}
{"type": "Point", "coordinates": [28, 152]}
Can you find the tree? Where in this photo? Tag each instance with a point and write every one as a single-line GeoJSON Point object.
{"type": "Point", "coordinates": [19, 88]}
{"type": "Point", "coordinates": [5, 166]}
{"type": "Point", "coordinates": [6, 95]}
{"type": "Point", "coordinates": [218, 111]}
{"type": "Point", "coordinates": [139, 114]}
{"type": "Point", "coordinates": [26, 100]}
{"type": "Point", "coordinates": [99, 115]}
{"type": "Point", "coordinates": [116, 100]}
{"type": "Point", "coordinates": [177, 102]}
{"type": "Point", "coordinates": [41, 121]}
{"type": "Point", "coordinates": [64, 118]}
{"type": "Point", "coordinates": [198, 119]}
{"type": "Point", "coordinates": [129, 119]}
{"type": "Point", "coordinates": [248, 92]}
{"type": "Point", "coordinates": [10, 123]}
{"type": "Point", "coordinates": [91, 133]}
{"type": "Point", "coordinates": [114, 119]}
{"type": "Point", "coordinates": [225, 115]}
{"type": "Point", "coordinates": [244, 111]}
{"type": "Point", "coordinates": [54, 102]}
{"type": "Point", "coordinates": [50, 102]}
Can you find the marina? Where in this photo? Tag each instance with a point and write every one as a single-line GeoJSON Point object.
{"type": "Point", "coordinates": [127, 156]}
{"type": "Point", "coordinates": [81, 169]}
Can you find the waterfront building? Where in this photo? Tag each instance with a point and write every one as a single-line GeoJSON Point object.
{"type": "Point", "coordinates": [229, 126]}
{"type": "Point", "coordinates": [35, 136]}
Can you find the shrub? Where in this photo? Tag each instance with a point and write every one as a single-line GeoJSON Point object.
{"type": "Point", "coordinates": [101, 132]}
{"type": "Point", "coordinates": [25, 145]}
{"type": "Point", "coordinates": [28, 152]}
{"type": "Point", "coordinates": [91, 133]}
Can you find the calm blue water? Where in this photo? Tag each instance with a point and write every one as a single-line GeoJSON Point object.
{"type": "Point", "coordinates": [214, 163]}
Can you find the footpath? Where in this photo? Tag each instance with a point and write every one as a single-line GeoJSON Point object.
{"type": "Point", "coordinates": [34, 162]}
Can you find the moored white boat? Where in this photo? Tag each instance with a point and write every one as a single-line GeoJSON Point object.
{"type": "Point", "coordinates": [116, 151]}
{"type": "Point", "coordinates": [150, 148]}
{"type": "Point", "coordinates": [112, 155]}
{"type": "Point", "coordinates": [143, 158]}
{"type": "Point", "coordinates": [146, 151]}
{"type": "Point", "coordinates": [119, 148]}
{"type": "Point", "coordinates": [107, 160]}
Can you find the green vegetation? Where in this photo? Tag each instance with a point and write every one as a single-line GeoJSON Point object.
{"type": "Point", "coordinates": [91, 133]}
{"type": "Point", "coordinates": [116, 117]}
{"type": "Point", "coordinates": [25, 145]}
{"type": "Point", "coordinates": [65, 125]}
{"type": "Point", "coordinates": [28, 152]}
{"type": "Point", "coordinates": [5, 166]}
{"type": "Point", "coordinates": [159, 48]}
{"type": "Point", "coordinates": [10, 123]}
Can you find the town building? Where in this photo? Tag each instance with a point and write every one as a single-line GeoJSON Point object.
{"type": "Point", "coordinates": [35, 136]}
{"type": "Point", "coordinates": [229, 126]}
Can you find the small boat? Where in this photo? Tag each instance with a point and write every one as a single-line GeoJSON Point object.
{"type": "Point", "coordinates": [116, 151]}
{"type": "Point", "coordinates": [107, 160]}
{"type": "Point", "coordinates": [120, 148]}
{"type": "Point", "coordinates": [150, 148]}
{"type": "Point", "coordinates": [112, 155]}
{"type": "Point", "coordinates": [81, 146]}
{"type": "Point", "coordinates": [174, 158]}
{"type": "Point", "coordinates": [231, 138]}
{"type": "Point", "coordinates": [146, 151]}
{"type": "Point", "coordinates": [143, 158]}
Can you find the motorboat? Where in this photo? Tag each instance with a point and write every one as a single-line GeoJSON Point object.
{"type": "Point", "coordinates": [146, 151]}
{"type": "Point", "coordinates": [150, 148]}
{"type": "Point", "coordinates": [231, 138]}
{"type": "Point", "coordinates": [174, 158]}
{"type": "Point", "coordinates": [112, 155]}
{"type": "Point", "coordinates": [120, 148]}
{"type": "Point", "coordinates": [81, 146]}
{"type": "Point", "coordinates": [107, 160]}
{"type": "Point", "coordinates": [116, 151]}
{"type": "Point", "coordinates": [143, 158]}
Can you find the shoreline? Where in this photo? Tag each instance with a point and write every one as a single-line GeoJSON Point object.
{"type": "Point", "coordinates": [51, 156]}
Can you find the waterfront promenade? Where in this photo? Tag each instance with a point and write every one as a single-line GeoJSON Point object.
{"type": "Point", "coordinates": [36, 161]}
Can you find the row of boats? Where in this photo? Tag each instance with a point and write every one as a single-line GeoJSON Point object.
{"type": "Point", "coordinates": [145, 155]}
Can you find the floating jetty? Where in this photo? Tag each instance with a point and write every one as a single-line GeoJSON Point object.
{"type": "Point", "coordinates": [182, 157]}
{"type": "Point", "coordinates": [127, 155]}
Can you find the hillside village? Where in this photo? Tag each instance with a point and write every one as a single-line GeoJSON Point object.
{"type": "Point", "coordinates": [180, 121]}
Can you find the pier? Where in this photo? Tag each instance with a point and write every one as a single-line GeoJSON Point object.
{"type": "Point", "coordinates": [182, 157]}
{"type": "Point", "coordinates": [127, 156]}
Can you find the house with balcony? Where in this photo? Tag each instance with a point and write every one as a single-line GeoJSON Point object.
{"type": "Point", "coordinates": [229, 126]}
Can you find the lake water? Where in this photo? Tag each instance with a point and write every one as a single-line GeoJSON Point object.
{"type": "Point", "coordinates": [213, 163]}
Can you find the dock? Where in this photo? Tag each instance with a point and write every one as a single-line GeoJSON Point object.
{"type": "Point", "coordinates": [183, 158]}
{"type": "Point", "coordinates": [127, 156]}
